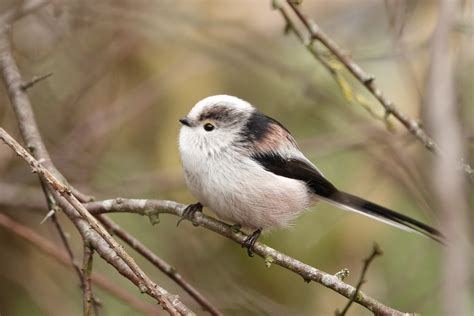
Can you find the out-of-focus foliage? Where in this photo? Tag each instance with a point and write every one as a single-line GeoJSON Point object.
{"type": "Point", "coordinates": [125, 71]}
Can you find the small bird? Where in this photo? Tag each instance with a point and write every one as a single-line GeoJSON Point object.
{"type": "Point", "coordinates": [248, 169]}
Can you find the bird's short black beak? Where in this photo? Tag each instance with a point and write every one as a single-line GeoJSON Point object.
{"type": "Point", "coordinates": [185, 121]}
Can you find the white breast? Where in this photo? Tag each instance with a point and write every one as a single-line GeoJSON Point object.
{"type": "Point", "coordinates": [238, 189]}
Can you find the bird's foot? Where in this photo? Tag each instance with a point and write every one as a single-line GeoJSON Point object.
{"type": "Point", "coordinates": [250, 241]}
{"type": "Point", "coordinates": [189, 212]}
{"type": "Point", "coordinates": [236, 228]}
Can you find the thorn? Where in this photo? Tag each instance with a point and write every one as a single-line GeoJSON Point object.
{"type": "Point", "coordinates": [48, 216]}
{"type": "Point", "coordinates": [30, 83]}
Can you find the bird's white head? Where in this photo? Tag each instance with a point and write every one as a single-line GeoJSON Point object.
{"type": "Point", "coordinates": [213, 124]}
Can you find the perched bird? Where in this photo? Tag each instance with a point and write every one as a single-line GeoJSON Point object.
{"type": "Point", "coordinates": [249, 170]}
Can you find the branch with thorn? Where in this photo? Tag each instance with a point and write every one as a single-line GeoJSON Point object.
{"type": "Point", "coordinates": [162, 265]}
{"type": "Point", "coordinates": [30, 83]}
{"type": "Point", "coordinates": [52, 251]}
{"type": "Point", "coordinates": [153, 208]}
{"type": "Point", "coordinates": [366, 79]}
{"type": "Point", "coordinates": [113, 252]}
{"type": "Point", "coordinates": [22, 107]}
{"type": "Point", "coordinates": [90, 305]}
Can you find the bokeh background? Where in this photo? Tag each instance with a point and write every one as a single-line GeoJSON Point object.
{"type": "Point", "coordinates": [124, 72]}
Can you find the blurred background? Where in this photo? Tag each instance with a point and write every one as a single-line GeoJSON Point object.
{"type": "Point", "coordinates": [125, 71]}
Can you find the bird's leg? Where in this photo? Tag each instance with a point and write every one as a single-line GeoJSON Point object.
{"type": "Point", "coordinates": [250, 241]}
{"type": "Point", "coordinates": [189, 211]}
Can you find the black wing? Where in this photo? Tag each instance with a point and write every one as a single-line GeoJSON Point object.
{"type": "Point", "coordinates": [301, 170]}
{"type": "Point", "coordinates": [296, 169]}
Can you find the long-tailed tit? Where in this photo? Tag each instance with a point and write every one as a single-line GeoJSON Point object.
{"type": "Point", "coordinates": [249, 170]}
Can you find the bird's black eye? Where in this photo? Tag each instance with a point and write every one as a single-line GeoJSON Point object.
{"type": "Point", "coordinates": [208, 127]}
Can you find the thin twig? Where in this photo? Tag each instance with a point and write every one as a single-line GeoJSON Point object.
{"type": "Point", "coordinates": [152, 209]}
{"type": "Point", "coordinates": [326, 59]}
{"type": "Point", "coordinates": [165, 267]}
{"type": "Point", "coordinates": [29, 130]}
{"type": "Point", "coordinates": [52, 207]}
{"type": "Point", "coordinates": [67, 246]}
{"type": "Point", "coordinates": [88, 300]}
{"type": "Point", "coordinates": [169, 302]}
{"type": "Point", "coordinates": [24, 111]}
{"type": "Point", "coordinates": [369, 82]}
{"type": "Point", "coordinates": [376, 251]}
{"type": "Point", "coordinates": [30, 83]}
{"type": "Point", "coordinates": [51, 250]}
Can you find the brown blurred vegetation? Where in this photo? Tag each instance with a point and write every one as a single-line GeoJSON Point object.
{"type": "Point", "coordinates": [125, 71]}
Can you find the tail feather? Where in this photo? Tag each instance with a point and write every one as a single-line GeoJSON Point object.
{"type": "Point", "coordinates": [357, 204]}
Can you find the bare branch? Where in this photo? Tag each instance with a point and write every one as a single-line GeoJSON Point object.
{"type": "Point", "coordinates": [328, 62]}
{"type": "Point", "coordinates": [165, 267]}
{"type": "Point", "coordinates": [53, 252]}
{"type": "Point", "coordinates": [99, 237]}
{"type": "Point", "coordinates": [368, 81]}
{"type": "Point", "coordinates": [22, 106]}
{"type": "Point", "coordinates": [88, 299]}
{"type": "Point", "coordinates": [73, 208]}
{"type": "Point", "coordinates": [24, 112]}
{"type": "Point", "coordinates": [376, 251]}
{"type": "Point", "coordinates": [152, 209]}
{"type": "Point", "coordinates": [52, 207]}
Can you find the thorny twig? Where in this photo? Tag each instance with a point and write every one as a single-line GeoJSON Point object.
{"type": "Point", "coordinates": [29, 130]}
{"type": "Point", "coordinates": [52, 207]}
{"type": "Point", "coordinates": [51, 250]}
{"type": "Point", "coordinates": [171, 303]}
{"type": "Point", "coordinates": [165, 267]}
{"type": "Point", "coordinates": [24, 112]}
{"type": "Point", "coordinates": [152, 209]}
{"type": "Point", "coordinates": [368, 80]}
{"type": "Point", "coordinates": [331, 65]}
{"type": "Point", "coordinates": [30, 83]}
{"type": "Point", "coordinates": [90, 307]}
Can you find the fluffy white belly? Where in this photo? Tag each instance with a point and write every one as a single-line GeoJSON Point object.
{"type": "Point", "coordinates": [241, 192]}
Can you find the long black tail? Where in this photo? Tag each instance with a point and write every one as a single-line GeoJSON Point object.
{"type": "Point", "coordinates": [357, 204]}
